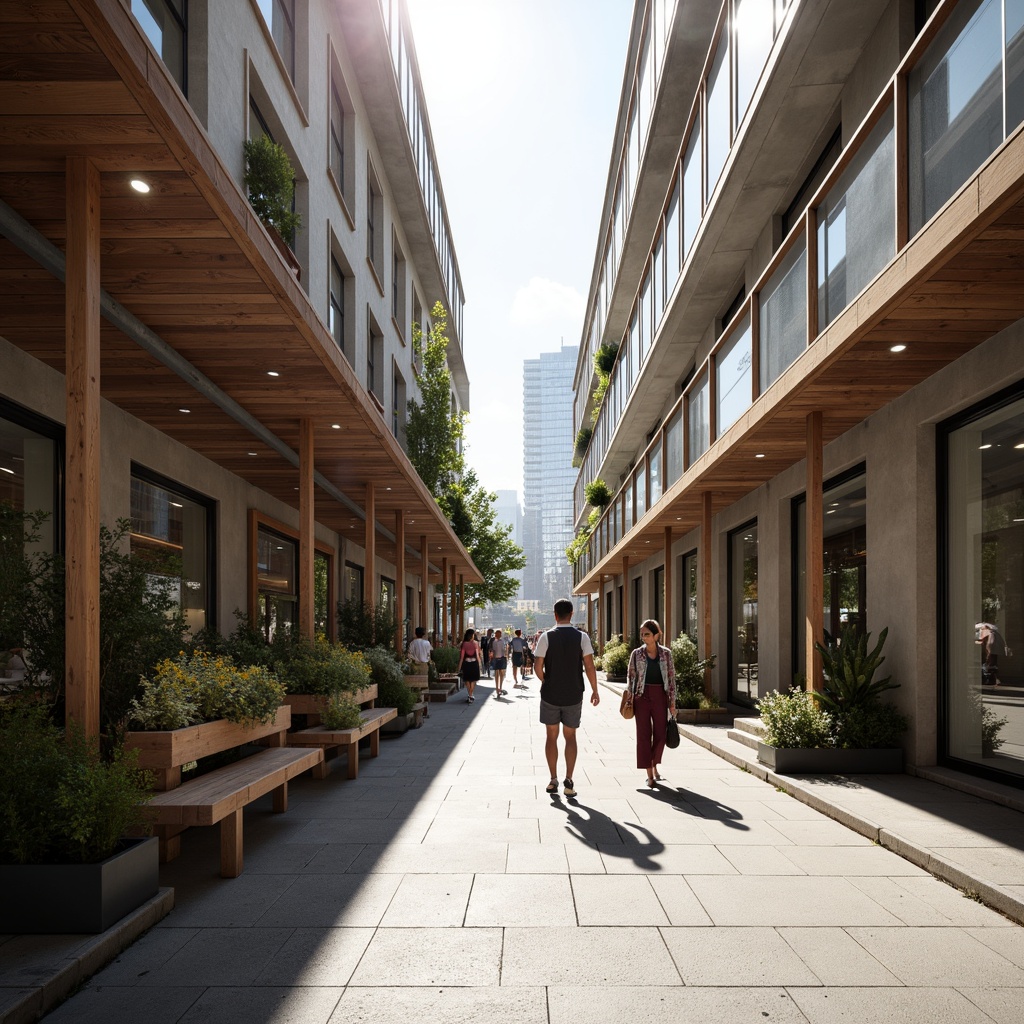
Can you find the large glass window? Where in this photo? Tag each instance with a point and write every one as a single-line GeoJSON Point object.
{"type": "Point", "coordinates": [844, 557]}
{"type": "Point", "coordinates": [31, 464]}
{"type": "Point", "coordinates": [672, 241]}
{"type": "Point", "coordinates": [674, 449]}
{"type": "Point", "coordinates": [743, 613]}
{"type": "Point", "coordinates": [641, 491]}
{"type": "Point", "coordinates": [654, 462]}
{"type": "Point", "coordinates": [984, 586]}
{"type": "Point", "coordinates": [280, 17]}
{"type": "Point", "coordinates": [752, 36]}
{"type": "Point", "coordinates": [856, 236]}
{"type": "Point", "coordinates": [165, 23]}
{"type": "Point", "coordinates": [717, 126]}
{"type": "Point", "coordinates": [732, 378]}
{"type": "Point", "coordinates": [956, 106]}
{"type": "Point", "coordinates": [693, 204]}
{"type": "Point", "coordinates": [277, 594]}
{"type": "Point", "coordinates": [689, 595]}
{"type": "Point", "coordinates": [1014, 63]}
{"type": "Point", "coordinates": [783, 316]}
{"type": "Point", "coordinates": [336, 312]}
{"type": "Point", "coordinates": [171, 533]}
{"type": "Point", "coordinates": [699, 419]}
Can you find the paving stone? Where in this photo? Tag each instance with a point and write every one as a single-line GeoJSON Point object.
{"type": "Point", "coordinates": [836, 958]}
{"type": "Point", "coordinates": [850, 860]}
{"type": "Point", "coordinates": [678, 900]}
{"type": "Point", "coordinates": [429, 901]}
{"type": "Point", "coordinates": [518, 900]}
{"type": "Point", "coordinates": [760, 860]}
{"type": "Point", "coordinates": [735, 957]}
{"type": "Point", "coordinates": [1004, 1006]}
{"type": "Point", "coordinates": [431, 957]}
{"type": "Point", "coordinates": [317, 957]}
{"type": "Point", "coordinates": [113, 1004]}
{"type": "Point", "coordinates": [266, 1005]}
{"type": "Point", "coordinates": [402, 1005]}
{"type": "Point", "coordinates": [617, 900]}
{"type": "Point", "coordinates": [219, 956]}
{"type": "Point", "coordinates": [887, 1006]}
{"type": "Point", "coordinates": [331, 901]}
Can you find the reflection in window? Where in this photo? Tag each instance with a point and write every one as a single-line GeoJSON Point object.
{"type": "Point", "coordinates": [280, 17]}
{"type": "Point", "coordinates": [984, 599]}
{"type": "Point", "coordinates": [717, 125]}
{"type": "Point", "coordinates": [170, 533]}
{"type": "Point", "coordinates": [855, 224]}
{"type": "Point", "coordinates": [956, 115]}
{"type": "Point", "coordinates": [654, 461]}
{"type": "Point", "coordinates": [165, 24]}
{"type": "Point", "coordinates": [693, 205]}
{"type": "Point", "coordinates": [743, 613]}
{"type": "Point", "coordinates": [276, 583]}
{"type": "Point", "coordinates": [845, 560]}
{"type": "Point", "coordinates": [336, 313]}
{"type": "Point", "coordinates": [30, 464]}
{"type": "Point", "coordinates": [353, 583]}
{"type": "Point", "coordinates": [674, 449]}
{"type": "Point", "coordinates": [732, 369]}
{"type": "Point", "coordinates": [752, 35]}
{"type": "Point", "coordinates": [689, 604]}
{"type": "Point", "coordinates": [699, 422]}
{"type": "Point", "coordinates": [783, 316]}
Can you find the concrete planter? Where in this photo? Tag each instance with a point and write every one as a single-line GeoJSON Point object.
{"type": "Point", "coordinates": [829, 761]}
{"type": "Point", "coordinates": [704, 716]}
{"type": "Point", "coordinates": [55, 899]}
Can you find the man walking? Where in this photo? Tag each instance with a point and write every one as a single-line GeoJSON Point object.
{"type": "Point", "coordinates": [499, 659]}
{"type": "Point", "coordinates": [560, 658]}
{"type": "Point", "coordinates": [485, 646]}
{"type": "Point", "coordinates": [517, 645]}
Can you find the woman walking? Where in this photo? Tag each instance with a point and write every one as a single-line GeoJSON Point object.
{"type": "Point", "coordinates": [469, 663]}
{"type": "Point", "coordinates": [651, 678]}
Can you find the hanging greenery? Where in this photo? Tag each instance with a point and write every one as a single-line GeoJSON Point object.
{"type": "Point", "coordinates": [597, 493]}
{"type": "Point", "coordinates": [270, 181]}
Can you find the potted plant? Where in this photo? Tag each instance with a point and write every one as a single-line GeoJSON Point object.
{"type": "Point", "coordinates": [845, 727]}
{"type": "Point", "coordinates": [597, 493]}
{"type": "Point", "coordinates": [65, 862]}
{"type": "Point", "coordinates": [692, 703]}
{"type": "Point", "coordinates": [447, 661]}
{"type": "Point", "coordinates": [392, 692]}
{"type": "Point", "coordinates": [582, 442]}
{"type": "Point", "coordinates": [270, 181]}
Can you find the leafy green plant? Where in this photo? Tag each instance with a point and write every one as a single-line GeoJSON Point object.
{"type": "Point", "coordinates": [689, 666]}
{"type": "Point", "coordinates": [363, 624]}
{"type": "Point", "coordinates": [319, 666]}
{"type": "Point", "coordinates": [866, 727]}
{"type": "Point", "coordinates": [60, 801]}
{"type": "Point", "coordinates": [446, 659]}
{"type": "Point", "coordinates": [270, 181]}
{"type": "Point", "coordinates": [615, 656]}
{"type": "Point", "coordinates": [341, 712]}
{"type": "Point", "coordinates": [386, 672]}
{"type": "Point", "coordinates": [794, 720]}
{"type": "Point", "coordinates": [849, 670]}
{"type": "Point", "coordinates": [582, 442]}
{"type": "Point", "coordinates": [597, 493]}
{"type": "Point", "coordinates": [604, 358]}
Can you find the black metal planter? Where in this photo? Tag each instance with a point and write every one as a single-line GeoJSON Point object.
{"type": "Point", "coordinates": [73, 898]}
{"type": "Point", "coordinates": [831, 761]}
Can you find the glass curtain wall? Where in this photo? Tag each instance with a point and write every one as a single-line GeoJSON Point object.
{"type": "Point", "coordinates": [983, 615]}
{"type": "Point", "coordinates": [783, 316]}
{"type": "Point", "coordinates": [733, 368]}
{"type": "Point", "coordinates": [743, 678]}
{"type": "Point", "coordinates": [699, 412]}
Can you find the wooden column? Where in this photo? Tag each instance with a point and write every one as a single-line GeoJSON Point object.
{"type": "Point", "coordinates": [370, 547]}
{"type": "Point", "coordinates": [82, 494]}
{"type": "Point", "coordinates": [814, 610]}
{"type": "Point", "coordinates": [451, 590]}
{"type": "Point", "coordinates": [400, 581]}
{"type": "Point", "coordinates": [706, 544]}
{"type": "Point", "coordinates": [306, 528]}
{"type": "Point", "coordinates": [667, 624]}
{"type": "Point", "coordinates": [462, 606]}
{"type": "Point", "coordinates": [626, 599]}
{"type": "Point", "coordinates": [601, 598]}
{"type": "Point", "coordinates": [424, 581]}
{"type": "Point", "coordinates": [590, 613]}
{"type": "Point", "coordinates": [444, 601]}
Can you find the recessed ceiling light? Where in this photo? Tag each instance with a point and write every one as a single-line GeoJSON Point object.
{"type": "Point", "coordinates": [983, 447]}
{"type": "Point", "coordinates": [335, 426]}
{"type": "Point", "coordinates": [6, 470]}
{"type": "Point", "coordinates": [759, 455]}
{"type": "Point", "coordinates": [184, 410]}
{"type": "Point", "coordinates": [387, 488]}
{"type": "Point", "coordinates": [1021, 445]}
{"type": "Point", "coordinates": [251, 453]}
{"type": "Point", "coordinates": [139, 185]}
{"type": "Point", "coordinates": [897, 348]}
{"type": "Point", "coordinates": [830, 512]}
{"type": "Point", "coordinates": [176, 504]}
{"type": "Point", "coordinates": [273, 373]}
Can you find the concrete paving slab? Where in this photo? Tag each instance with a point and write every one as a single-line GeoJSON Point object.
{"type": "Point", "coordinates": [333, 901]}
{"type": "Point", "coordinates": [616, 900]}
{"type": "Point", "coordinates": [429, 901]}
{"type": "Point", "coordinates": [639, 858]}
{"type": "Point", "coordinates": [317, 957]}
{"type": "Point", "coordinates": [1004, 1006]}
{"type": "Point", "coordinates": [836, 958]}
{"type": "Point", "coordinates": [1004, 866]}
{"type": "Point", "coordinates": [887, 1006]}
{"type": "Point", "coordinates": [1007, 942]}
{"type": "Point", "coordinates": [402, 1005]}
{"type": "Point", "coordinates": [212, 904]}
{"type": "Point", "coordinates": [334, 858]}
{"type": "Point", "coordinates": [267, 1005]}
{"type": "Point", "coordinates": [113, 1004]}
{"type": "Point", "coordinates": [520, 900]}
{"type": "Point", "coordinates": [431, 957]}
{"type": "Point", "coordinates": [423, 858]}
{"type": "Point", "coordinates": [850, 861]}
{"type": "Point", "coordinates": [736, 957]}
{"type": "Point", "coordinates": [536, 859]}
{"type": "Point", "coordinates": [678, 901]}
{"type": "Point", "coordinates": [220, 956]}
{"type": "Point", "coordinates": [760, 860]}
{"type": "Point", "coordinates": [155, 948]}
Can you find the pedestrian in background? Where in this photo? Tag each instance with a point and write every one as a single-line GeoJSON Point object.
{"type": "Point", "coordinates": [469, 663]}
{"type": "Point", "coordinates": [651, 678]}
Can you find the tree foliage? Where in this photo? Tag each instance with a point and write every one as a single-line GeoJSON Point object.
{"type": "Point", "coordinates": [434, 430]}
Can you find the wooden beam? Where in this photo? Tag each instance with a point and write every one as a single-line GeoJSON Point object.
{"type": "Point", "coordinates": [444, 600]}
{"type": "Point", "coordinates": [705, 583]}
{"type": "Point", "coordinates": [462, 606]}
{"type": "Point", "coordinates": [666, 626]}
{"type": "Point", "coordinates": [424, 581]}
{"type": "Point", "coordinates": [452, 591]}
{"type": "Point", "coordinates": [813, 555]}
{"type": "Point", "coordinates": [400, 582]}
{"type": "Point", "coordinates": [82, 503]}
{"type": "Point", "coordinates": [306, 528]}
{"type": "Point", "coordinates": [626, 599]}
{"type": "Point", "coordinates": [370, 546]}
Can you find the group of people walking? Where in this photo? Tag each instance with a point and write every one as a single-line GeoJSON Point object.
{"type": "Point", "coordinates": [562, 657]}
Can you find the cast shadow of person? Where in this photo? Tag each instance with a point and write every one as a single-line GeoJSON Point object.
{"type": "Point", "coordinates": [603, 834]}
{"type": "Point", "coordinates": [698, 806]}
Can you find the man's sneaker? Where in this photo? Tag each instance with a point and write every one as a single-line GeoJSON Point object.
{"type": "Point", "coordinates": [552, 786]}
{"type": "Point", "coordinates": [570, 789]}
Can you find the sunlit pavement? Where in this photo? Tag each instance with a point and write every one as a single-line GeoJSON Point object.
{"type": "Point", "coordinates": [445, 884]}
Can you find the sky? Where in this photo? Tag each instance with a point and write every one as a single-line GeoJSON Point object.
{"type": "Point", "coordinates": [522, 97]}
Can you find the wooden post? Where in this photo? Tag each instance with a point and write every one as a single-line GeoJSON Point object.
{"type": "Point", "coordinates": [626, 599]}
{"type": "Point", "coordinates": [667, 624]}
{"type": "Point", "coordinates": [82, 504]}
{"type": "Point", "coordinates": [814, 556]}
{"type": "Point", "coordinates": [424, 581]}
{"type": "Point", "coordinates": [705, 583]}
{"type": "Point", "coordinates": [444, 601]}
{"type": "Point", "coordinates": [400, 582]}
{"type": "Point", "coordinates": [601, 613]}
{"type": "Point", "coordinates": [462, 606]}
{"type": "Point", "coordinates": [306, 520]}
{"type": "Point", "coordinates": [590, 614]}
{"type": "Point", "coordinates": [370, 547]}
{"type": "Point", "coordinates": [451, 590]}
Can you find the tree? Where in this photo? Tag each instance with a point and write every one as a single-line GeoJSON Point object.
{"type": "Point", "coordinates": [470, 509]}
{"type": "Point", "coordinates": [434, 429]}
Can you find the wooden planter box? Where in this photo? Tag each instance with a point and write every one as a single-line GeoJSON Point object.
{"type": "Point", "coordinates": [165, 751]}
{"type": "Point", "coordinates": [418, 681]}
{"type": "Point", "coordinates": [829, 761]}
{"type": "Point", "coordinates": [313, 703]}
{"type": "Point", "coordinates": [704, 716]}
{"type": "Point", "coordinates": [59, 899]}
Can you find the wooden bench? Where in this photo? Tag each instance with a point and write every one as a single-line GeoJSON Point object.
{"type": "Point", "coordinates": [221, 795]}
{"type": "Point", "coordinates": [420, 711]}
{"type": "Point", "coordinates": [323, 738]}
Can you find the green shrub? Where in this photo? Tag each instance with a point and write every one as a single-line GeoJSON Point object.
{"type": "Point", "coordinates": [341, 712]}
{"type": "Point", "coordinates": [60, 802]}
{"type": "Point", "coordinates": [386, 672]}
{"type": "Point", "coordinates": [615, 656]}
{"type": "Point", "coordinates": [446, 659]}
{"type": "Point", "coordinates": [202, 687]}
{"type": "Point", "coordinates": [318, 666]}
{"type": "Point", "coordinates": [597, 493]}
{"type": "Point", "coordinates": [848, 669]}
{"type": "Point", "coordinates": [362, 624]}
{"type": "Point", "coordinates": [604, 359]}
{"type": "Point", "coordinates": [869, 726]}
{"type": "Point", "coordinates": [688, 665]}
{"type": "Point", "coordinates": [270, 181]}
{"type": "Point", "coordinates": [794, 720]}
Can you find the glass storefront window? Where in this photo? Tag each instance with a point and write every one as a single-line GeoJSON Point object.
{"type": "Point", "coordinates": [856, 234]}
{"type": "Point", "coordinates": [743, 613]}
{"type": "Point", "coordinates": [783, 316]}
{"type": "Point", "coordinates": [845, 558]}
{"type": "Point", "coordinates": [30, 465]}
{"type": "Point", "coordinates": [171, 534]}
{"type": "Point", "coordinates": [276, 582]}
{"type": "Point", "coordinates": [699, 422]}
{"type": "Point", "coordinates": [956, 107]}
{"type": "Point", "coordinates": [689, 604]}
{"type": "Point", "coordinates": [732, 377]}
{"type": "Point", "coordinates": [984, 590]}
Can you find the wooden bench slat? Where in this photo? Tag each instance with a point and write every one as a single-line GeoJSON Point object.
{"type": "Point", "coordinates": [320, 736]}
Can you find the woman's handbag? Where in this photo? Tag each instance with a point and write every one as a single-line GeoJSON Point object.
{"type": "Point", "coordinates": [672, 734]}
{"type": "Point", "coordinates": [626, 704]}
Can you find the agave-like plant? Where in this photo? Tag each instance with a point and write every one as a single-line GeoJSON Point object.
{"type": "Point", "coordinates": [849, 670]}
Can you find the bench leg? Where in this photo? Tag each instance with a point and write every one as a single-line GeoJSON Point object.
{"type": "Point", "coordinates": [169, 842]}
{"type": "Point", "coordinates": [321, 769]}
{"type": "Point", "coordinates": [280, 795]}
{"type": "Point", "coordinates": [375, 743]}
{"type": "Point", "coordinates": [231, 845]}
{"type": "Point", "coordinates": [353, 760]}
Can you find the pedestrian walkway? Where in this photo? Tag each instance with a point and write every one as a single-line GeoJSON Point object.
{"type": "Point", "coordinates": [444, 884]}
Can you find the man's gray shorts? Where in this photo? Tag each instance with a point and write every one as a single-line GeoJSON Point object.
{"type": "Point", "coordinates": [552, 714]}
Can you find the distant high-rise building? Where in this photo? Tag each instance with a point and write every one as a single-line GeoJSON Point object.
{"type": "Point", "coordinates": [548, 475]}
{"type": "Point", "coordinates": [509, 512]}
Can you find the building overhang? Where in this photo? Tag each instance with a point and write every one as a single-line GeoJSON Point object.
{"type": "Point", "coordinates": [191, 261]}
